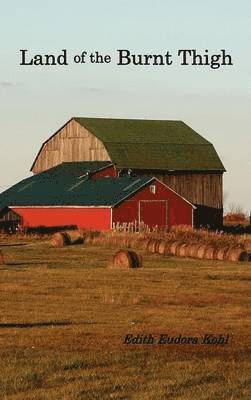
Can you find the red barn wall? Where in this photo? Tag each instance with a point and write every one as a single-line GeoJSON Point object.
{"type": "Point", "coordinates": [109, 171]}
{"type": "Point", "coordinates": [179, 211]}
{"type": "Point", "coordinates": [89, 218]}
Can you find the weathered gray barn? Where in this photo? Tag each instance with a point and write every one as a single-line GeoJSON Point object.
{"type": "Point", "coordinates": [169, 150]}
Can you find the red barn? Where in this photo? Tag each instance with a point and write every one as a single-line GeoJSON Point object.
{"type": "Point", "coordinates": [90, 196]}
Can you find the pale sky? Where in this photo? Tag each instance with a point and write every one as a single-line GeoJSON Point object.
{"type": "Point", "coordinates": [37, 100]}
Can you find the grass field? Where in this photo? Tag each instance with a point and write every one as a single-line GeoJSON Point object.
{"type": "Point", "coordinates": [64, 317]}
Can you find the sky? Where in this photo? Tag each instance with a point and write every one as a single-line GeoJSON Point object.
{"type": "Point", "coordinates": [36, 100]}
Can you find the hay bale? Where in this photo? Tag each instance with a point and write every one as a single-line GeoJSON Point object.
{"type": "Point", "coordinates": [1, 258]}
{"type": "Point", "coordinates": [189, 250]}
{"type": "Point", "coordinates": [66, 238]}
{"type": "Point", "coordinates": [157, 245]}
{"type": "Point", "coordinates": [139, 242]}
{"type": "Point", "coordinates": [121, 260]}
{"type": "Point", "coordinates": [74, 237]}
{"type": "Point", "coordinates": [162, 247]}
{"type": "Point", "coordinates": [247, 245]}
{"type": "Point", "coordinates": [167, 248]}
{"type": "Point", "coordinates": [209, 253]}
{"type": "Point", "coordinates": [136, 259]}
{"type": "Point", "coordinates": [192, 250]}
{"type": "Point", "coordinates": [201, 251]}
{"type": "Point", "coordinates": [182, 250]}
{"type": "Point", "coordinates": [151, 247]}
{"type": "Point", "coordinates": [125, 259]}
{"type": "Point", "coordinates": [145, 243]}
{"type": "Point", "coordinates": [174, 247]}
{"type": "Point", "coordinates": [236, 254]}
{"type": "Point", "coordinates": [59, 239]}
{"type": "Point", "coordinates": [220, 253]}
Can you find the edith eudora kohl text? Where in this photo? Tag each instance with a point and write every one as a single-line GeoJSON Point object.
{"type": "Point", "coordinates": [164, 338]}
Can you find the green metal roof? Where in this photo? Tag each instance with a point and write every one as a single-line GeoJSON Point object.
{"type": "Point", "coordinates": [76, 168]}
{"type": "Point", "coordinates": [154, 144]}
{"type": "Point", "coordinates": [59, 186]}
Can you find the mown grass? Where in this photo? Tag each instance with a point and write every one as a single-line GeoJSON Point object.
{"type": "Point", "coordinates": [64, 317]}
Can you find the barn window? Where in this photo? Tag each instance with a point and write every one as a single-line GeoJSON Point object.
{"type": "Point", "coordinates": [153, 189]}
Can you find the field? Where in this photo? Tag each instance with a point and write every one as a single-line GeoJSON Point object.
{"type": "Point", "coordinates": [64, 317]}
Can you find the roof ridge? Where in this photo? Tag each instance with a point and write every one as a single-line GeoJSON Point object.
{"type": "Point", "coordinates": [131, 119]}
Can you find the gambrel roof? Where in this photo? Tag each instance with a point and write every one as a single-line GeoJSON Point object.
{"type": "Point", "coordinates": [152, 144]}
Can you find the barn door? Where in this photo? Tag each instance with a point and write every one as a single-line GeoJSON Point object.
{"type": "Point", "coordinates": [153, 212]}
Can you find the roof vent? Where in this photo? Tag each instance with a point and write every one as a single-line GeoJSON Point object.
{"type": "Point", "coordinates": [86, 175]}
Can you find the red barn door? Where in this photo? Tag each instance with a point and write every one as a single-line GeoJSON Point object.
{"type": "Point", "coordinates": [153, 212]}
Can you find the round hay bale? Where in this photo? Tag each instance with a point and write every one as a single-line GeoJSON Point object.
{"type": "Point", "coordinates": [174, 247]}
{"type": "Point", "coordinates": [122, 260]}
{"type": "Point", "coordinates": [151, 247]}
{"type": "Point", "coordinates": [74, 237]}
{"type": "Point", "coordinates": [209, 253]}
{"type": "Point", "coordinates": [167, 248]}
{"type": "Point", "coordinates": [1, 258]}
{"type": "Point", "coordinates": [247, 245]}
{"type": "Point", "coordinates": [220, 253]}
{"type": "Point", "coordinates": [59, 239]}
{"type": "Point", "coordinates": [236, 254]}
{"type": "Point", "coordinates": [201, 251]}
{"type": "Point", "coordinates": [139, 242]}
{"type": "Point", "coordinates": [182, 250]}
{"type": "Point", "coordinates": [189, 250]}
{"type": "Point", "coordinates": [192, 250]}
{"type": "Point", "coordinates": [145, 243]}
{"type": "Point", "coordinates": [157, 245]}
{"type": "Point", "coordinates": [125, 259]}
{"type": "Point", "coordinates": [136, 259]}
{"type": "Point", "coordinates": [162, 247]}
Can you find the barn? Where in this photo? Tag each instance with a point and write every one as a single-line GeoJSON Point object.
{"type": "Point", "coordinates": [170, 151]}
{"type": "Point", "coordinates": [87, 194]}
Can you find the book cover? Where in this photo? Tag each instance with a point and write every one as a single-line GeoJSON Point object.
{"type": "Point", "coordinates": [125, 241]}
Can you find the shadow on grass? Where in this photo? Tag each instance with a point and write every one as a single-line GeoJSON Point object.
{"type": "Point", "coordinates": [28, 263]}
{"type": "Point", "coordinates": [4, 325]}
{"type": "Point", "coordinates": [34, 324]}
{"type": "Point", "coordinates": [13, 244]}
{"type": "Point", "coordinates": [229, 278]}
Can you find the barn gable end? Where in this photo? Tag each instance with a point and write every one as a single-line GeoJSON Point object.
{"type": "Point", "coordinates": [70, 143]}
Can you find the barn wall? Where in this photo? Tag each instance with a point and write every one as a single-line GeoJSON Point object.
{"type": "Point", "coordinates": [179, 211]}
{"type": "Point", "coordinates": [198, 188]}
{"type": "Point", "coordinates": [109, 171]}
{"type": "Point", "coordinates": [72, 143]}
{"type": "Point", "coordinates": [89, 218]}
